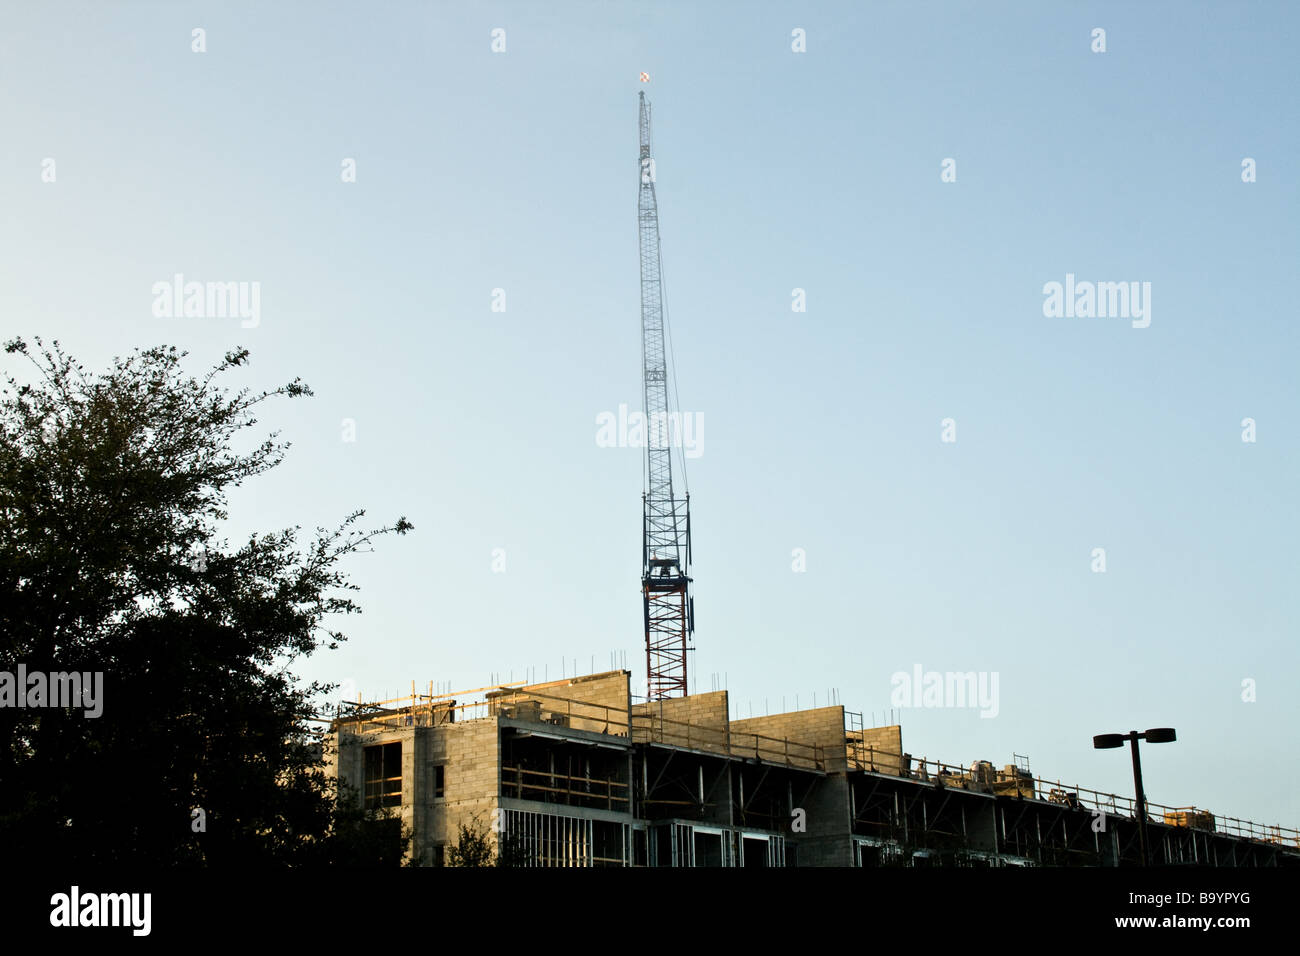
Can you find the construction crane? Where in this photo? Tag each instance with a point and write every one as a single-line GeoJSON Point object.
{"type": "Point", "coordinates": [666, 522]}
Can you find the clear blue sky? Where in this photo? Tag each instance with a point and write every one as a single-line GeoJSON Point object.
{"type": "Point", "coordinates": [776, 170]}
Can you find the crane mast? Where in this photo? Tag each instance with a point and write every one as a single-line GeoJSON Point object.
{"type": "Point", "coordinates": [666, 522]}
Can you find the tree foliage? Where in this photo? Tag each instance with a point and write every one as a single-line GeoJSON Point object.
{"type": "Point", "coordinates": [112, 490]}
{"type": "Point", "coordinates": [474, 847]}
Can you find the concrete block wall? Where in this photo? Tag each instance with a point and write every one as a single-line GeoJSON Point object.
{"type": "Point", "coordinates": [471, 755]}
{"type": "Point", "coordinates": [828, 820]}
{"type": "Point", "coordinates": [823, 727]}
{"type": "Point", "coordinates": [348, 761]}
{"type": "Point", "coordinates": [610, 690]}
{"type": "Point", "coordinates": [706, 713]}
{"type": "Point", "coordinates": [826, 804]}
{"type": "Point", "coordinates": [879, 748]}
{"type": "Point", "coordinates": [343, 759]}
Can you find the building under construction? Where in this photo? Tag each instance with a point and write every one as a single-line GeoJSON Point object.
{"type": "Point", "coordinates": [577, 773]}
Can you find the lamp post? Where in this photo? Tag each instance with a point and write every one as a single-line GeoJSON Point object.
{"type": "Point", "coordinates": [1156, 735]}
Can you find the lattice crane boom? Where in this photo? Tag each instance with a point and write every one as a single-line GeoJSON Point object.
{"type": "Point", "coordinates": [666, 535]}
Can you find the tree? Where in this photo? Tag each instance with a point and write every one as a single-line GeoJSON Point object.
{"type": "Point", "coordinates": [112, 488]}
{"type": "Point", "coordinates": [365, 838]}
{"type": "Point", "coordinates": [474, 847]}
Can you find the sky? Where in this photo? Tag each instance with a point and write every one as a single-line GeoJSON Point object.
{"type": "Point", "coordinates": [820, 433]}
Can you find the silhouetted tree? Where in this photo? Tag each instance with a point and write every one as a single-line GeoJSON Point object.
{"type": "Point", "coordinates": [474, 847]}
{"type": "Point", "coordinates": [112, 487]}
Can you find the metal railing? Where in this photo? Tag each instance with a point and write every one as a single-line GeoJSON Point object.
{"type": "Point", "coordinates": [552, 787]}
{"type": "Point", "coordinates": [530, 706]}
{"type": "Point", "coordinates": [986, 779]}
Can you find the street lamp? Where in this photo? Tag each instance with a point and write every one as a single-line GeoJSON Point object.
{"type": "Point", "coordinates": [1156, 735]}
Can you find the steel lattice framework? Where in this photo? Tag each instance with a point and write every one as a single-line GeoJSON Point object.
{"type": "Point", "coordinates": [666, 537]}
